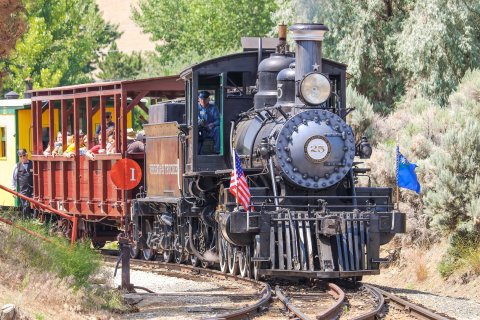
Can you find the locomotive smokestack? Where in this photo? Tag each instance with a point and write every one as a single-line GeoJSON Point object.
{"type": "Point", "coordinates": [282, 46]}
{"type": "Point", "coordinates": [282, 32]}
{"type": "Point", "coordinates": [308, 56]}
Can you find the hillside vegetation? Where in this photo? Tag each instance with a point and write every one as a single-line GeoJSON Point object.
{"type": "Point", "coordinates": [51, 280]}
{"type": "Point", "coordinates": [445, 144]}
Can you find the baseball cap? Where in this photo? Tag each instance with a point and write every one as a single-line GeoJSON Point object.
{"type": "Point", "coordinates": [203, 94]}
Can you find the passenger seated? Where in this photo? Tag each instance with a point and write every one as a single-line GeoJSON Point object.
{"type": "Point", "coordinates": [131, 135]}
{"type": "Point", "coordinates": [96, 149]}
{"type": "Point", "coordinates": [70, 145]}
{"type": "Point", "coordinates": [70, 151]}
{"type": "Point", "coordinates": [111, 145]}
{"type": "Point", "coordinates": [57, 147]}
{"type": "Point", "coordinates": [208, 121]}
{"type": "Point", "coordinates": [84, 144]}
{"type": "Point", "coordinates": [137, 145]}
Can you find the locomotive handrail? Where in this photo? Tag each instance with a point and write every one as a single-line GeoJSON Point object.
{"type": "Point", "coordinates": [37, 157]}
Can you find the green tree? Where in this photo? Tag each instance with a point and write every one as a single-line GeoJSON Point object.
{"type": "Point", "coordinates": [119, 66]}
{"type": "Point", "coordinates": [438, 43]}
{"type": "Point", "coordinates": [63, 42]}
{"type": "Point", "coordinates": [189, 28]}
{"type": "Point", "coordinates": [394, 45]}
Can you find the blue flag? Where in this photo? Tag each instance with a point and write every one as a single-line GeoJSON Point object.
{"type": "Point", "coordinates": [406, 176]}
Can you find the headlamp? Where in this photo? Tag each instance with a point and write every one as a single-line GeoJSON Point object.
{"type": "Point", "coordinates": [315, 88]}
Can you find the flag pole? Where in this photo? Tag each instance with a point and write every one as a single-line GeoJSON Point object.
{"type": "Point", "coordinates": [235, 174]}
{"type": "Point", "coordinates": [396, 178]}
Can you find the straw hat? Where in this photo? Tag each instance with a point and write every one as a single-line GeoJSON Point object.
{"type": "Point", "coordinates": [131, 135]}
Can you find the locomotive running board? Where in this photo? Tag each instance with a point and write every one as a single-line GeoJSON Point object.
{"type": "Point", "coordinates": [317, 274]}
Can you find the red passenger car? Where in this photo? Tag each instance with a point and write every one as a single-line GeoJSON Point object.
{"type": "Point", "coordinates": [77, 186]}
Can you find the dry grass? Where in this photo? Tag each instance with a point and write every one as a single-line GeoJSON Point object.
{"type": "Point", "coordinates": [421, 271]}
{"type": "Point", "coordinates": [473, 260]}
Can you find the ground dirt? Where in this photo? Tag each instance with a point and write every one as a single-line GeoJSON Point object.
{"type": "Point", "coordinates": [417, 269]}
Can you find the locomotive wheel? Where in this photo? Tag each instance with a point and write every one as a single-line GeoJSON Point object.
{"type": "Point", "coordinates": [134, 251]}
{"type": "Point", "coordinates": [179, 257]}
{"type": "Point", "coordinates": [232, 260]}
{"type": "Point", "coordinates": [167, 256]}
{"type": "Point", "coordinates": [244, 262]}
{"type": "Point", "coordinates": [148, 253]}
{"type": "Point", "coordinates": [194, 260]}
{"type": "Point", "coordinates": [222, 254]}
{"type": "Point", "coordinates": [256, 254]}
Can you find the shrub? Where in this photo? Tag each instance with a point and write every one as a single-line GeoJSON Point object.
{"type": "Point", "coordinates": [451, 197]}
{"type": "Point", "coordinates": [447, 266]}
{"type": "Point", "coordinates": [361, 118]}
{"type": "Point", "coordinates": [78, 263]}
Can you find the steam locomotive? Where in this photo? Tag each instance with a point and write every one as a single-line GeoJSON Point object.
{"type": "Point", "coordinates": [285, 116]}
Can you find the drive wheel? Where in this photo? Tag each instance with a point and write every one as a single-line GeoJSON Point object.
{"type": "Point", "coordinates": [256, 254]}
{"type": "Point", "coordinates": [167, 256]}
{"type": "Point", "coordinates": [222, 254]}
{"type": "Point", "coordinates": [244, 262]}
{"type": "Point", "coordinates": [134, 251]}
{"type": "Point", "coordinates": [194, 260]}
{"type": "Point", "coordinates": [179, 257]}
{"type": "Point", "coordinates": [148, 253]}
{"type": "Point", "coordinates": [232, 260]}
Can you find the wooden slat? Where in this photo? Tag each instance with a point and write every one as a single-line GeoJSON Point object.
{"type": "Point", "coordinates": [76, 164]}
{"type": "Point", "coordinates": [90, 134]}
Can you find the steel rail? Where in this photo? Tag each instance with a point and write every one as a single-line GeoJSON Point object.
{"type": "Point", "coordinates": [330, 313]}
{"type": "Point", "coordinates": [415, 310]}
{"type": "Point", "coordinates": [335, 310]}
{"type": "Point", "coordinates": [286, 301]}
{"type": "Point", "coordinates": [243, 313]}
{"type": "Point", "coordinates": [378, 296]}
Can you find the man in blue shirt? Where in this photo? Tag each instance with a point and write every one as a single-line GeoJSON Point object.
{"type": "Point", "coordinates": [208, 121]}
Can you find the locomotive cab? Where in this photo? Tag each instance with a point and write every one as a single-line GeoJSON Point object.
{"type": "Point", "coordinates": [229, 81]}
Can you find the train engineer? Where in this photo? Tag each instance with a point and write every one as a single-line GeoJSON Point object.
{"type": "Point", "coordinates": [208, 121]}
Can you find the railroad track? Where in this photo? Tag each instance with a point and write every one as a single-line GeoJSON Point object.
{"type": "Point", "coordinates": [335, 309]}
{"type": "Point", "coordinates": [263, 289]}
{"type": "Point", "coordinates": [327, 303]}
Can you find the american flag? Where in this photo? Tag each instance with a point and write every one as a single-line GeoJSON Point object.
{"type": "Point", "coordinates": [238, 184]}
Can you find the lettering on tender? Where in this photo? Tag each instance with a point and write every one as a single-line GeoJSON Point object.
{"type": "Point", "coordinates": [163, 169]}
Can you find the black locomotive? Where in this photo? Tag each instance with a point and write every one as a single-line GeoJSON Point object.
{"type": "Point", "coordinates": [285, 115]}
